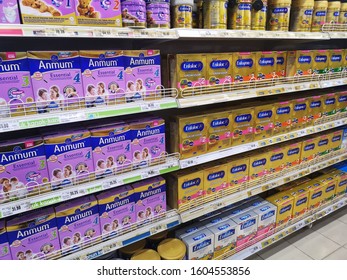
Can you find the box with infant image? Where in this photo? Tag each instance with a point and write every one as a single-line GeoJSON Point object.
{"type": "Point", "coordinates": [55, 12]}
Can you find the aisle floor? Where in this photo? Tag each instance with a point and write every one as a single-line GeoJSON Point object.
{"type": "Point", "coordinates": [326, 240]}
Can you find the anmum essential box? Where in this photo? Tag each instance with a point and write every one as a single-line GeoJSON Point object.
{"type": "Point", "coordinates": [150, 198]}
{"type": "Point", "coordinates": [320, 62]}
{"type": "Point", "coordinates": [316, 194]}
{"type": "Point", "coordinates": [219, 68]}
{"type": "Point", "coordinates": [69, 157]}
{"type": "Point", "coordinates": [300, 113]}
{"type": "Point", "coordinates": [258, 165]}
{"type": "Point", "coordinates": [142, 74]}
{"type": "Point", "coordinates": [323, 145]}
{"type": "Point", "coordinates": [309, 150]}
{"type": "Point", "coordinates": [335, 140]}
{"type": "Point", "coordinates": [56, 79]}
{"type": "Point", "coordinates": [266, 218]}
{"type": "Point", "coordinates": [23, 168]}
{"type": "Point", "coordinates": [98, 13]}
{"type": "Point", "coordinates": [266, 65]}
{"type": "Point", "coordinates": [329, 104]}
{"type": "Point", "coordinates": [244, 66]}
{"type": "Point", "coordinates": [5, 253]}
{"type": "Point", "coordinates": [299, 63]}
{"type": "Point", "coordinates": [78, 222]}
{"type": "Point", "coordinates": [238, 171]}
{"type": "Point", "coordinates": [15, 82]}
{"type": "Point", "coordinates": [46, 12]}
{"type": "Point", "coordinates": [293, 154]}
{"type": "Point", "coordinates": [188, 70]}
{"type": "Point", "coordinates": [243, 125]}
{"type": "Point", "coordinates": [277, 159]}
{"type": "Point", "coordinates": [335, 60]}
{"type": "Point", "coordinates": [341, 99]}
{"type": "Point", "coordinates": [263, 121]}
{"type": "Point", "coordinates": [215, 178]}
{"type": "Point", "coordinates": [283, 112]}
{"type": "Point", "coordinates": [103, 76]}
{"type": "Point", "coordinates": [315, 112]}
{"type": "Point", "coordinates": [219, 130]}
{"type": "Point", "coordinates": [200, 245]}
{"type": "Point", "coordinates": [188, 230]}
{"type": "Point", "coordinates": [184, 187]}
{"type": "Point", "coordinates": [281, 64]}
{"type": "Point", "coordinates": [301, 197]}
{"type": "Point", "coordinates": [116, 209]}
{"type": "Point", "coordinates": [247, 226]}
{"type": "Point", "coordinates": [224, 237]}
{"type": "Point", "coordinates": [285, 204]}
{"type": "Point", "coordinates": [33, 235]}
{"type": "Point", "coordinates": [190, 135]}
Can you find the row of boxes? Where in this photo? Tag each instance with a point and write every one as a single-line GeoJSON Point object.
{"type": "Point", "coordinates": [194, 135]}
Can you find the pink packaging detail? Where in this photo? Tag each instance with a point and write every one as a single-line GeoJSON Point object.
{"type": "Point", "coordinates": [33, 235]}
{"type": "Point", "coordinates": [78, 222]}
{"type": "Point", "coordinates": [5, 253]}
{"type": "Point", "coordinates": [69, 157]}
{"type": "Point", "coordinates": [23, 168]}
{"type": "Point", "coordinates": [9, 12]}
{"type": "Point", "coordinates": [150, 198]}
{"type": "Point", "coordinates": [116, 209]}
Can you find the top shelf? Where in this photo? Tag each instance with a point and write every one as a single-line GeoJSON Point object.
{"type": "Point", "coordinates": [129, 33]}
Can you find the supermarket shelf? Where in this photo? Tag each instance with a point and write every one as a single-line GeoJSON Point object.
{"type": "Point", "coordinates": [69, 116]}
{"type": "Point", "coordinates": [38, 201]}
{"type": "Point", "coordinates": [208, 157]}
{"type": "Point", "coordinates": [168, 221]}
{"type": "Point", "coordinates": [294, 226]}
{"type": "Point", "coordinates": [286, 176]}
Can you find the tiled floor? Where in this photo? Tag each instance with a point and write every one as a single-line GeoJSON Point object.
{"type": "Point", "coordinates": [326, 240]}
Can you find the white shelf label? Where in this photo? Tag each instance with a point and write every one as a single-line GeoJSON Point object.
{"type": "Point", "coordinates": [8, 125]}
{"type": "Point", "coordinates": [72, 117]}
{"type": "Point", "coordinates": [150, 106]}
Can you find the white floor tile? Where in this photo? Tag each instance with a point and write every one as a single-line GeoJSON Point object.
{"type": "Point", "coordinates": [324, 223]}
{"type": "Point", "coordinates": [343, 217]}
{"type": "Point", "coordinates": [335, 231]}
{"type": "Point", "coordinates": [283, 250]}
{"type": "Point", "coordinates": [299, 235]}
{"type": "Point", "coordinates": [316, 245]}
{"type": "Point", "coordinates": [339, 254]}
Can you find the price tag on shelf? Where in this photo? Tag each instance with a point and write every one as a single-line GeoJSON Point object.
{"type": "Point", "coordinates": [14, 209]}
{"type": "Point", "coordinates": [114, 182]}
{"type": "Point", "coordinates": [103, 33]}
{"type": "Point", "coordinates": [150, 106]}
{"type": "Point", "coordinates": [150, 173]}
{"type": "Point", "coordinates": [329, 210]}
{"type": "Point", "coordinates": [9, 125]}
{"type": "Point", "coordinates": [158, 228]}
{"type": "Point", "coordinates": [302, 133]}
{"type": "Point", "coordinates": [188, 162]}
{"type": "Point", "coordinates": [265, 188]}
{"type": "Point", "coordinates": [69, 117]}
{"type": "Point", "coordinates": [218, 205]}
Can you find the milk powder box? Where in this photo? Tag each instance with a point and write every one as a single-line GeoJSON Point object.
{"type": "Point", "coordinates": [15, 84]}
{"type": "Point", "coordinates": [243, 125]}
{"type": "Point", "coordinates": [329, 104]}
{"type": "Point", "coordinates": [219, 69]}
{"type": "Point", "coordinates": [9, 12]}
{"type": "Point", "coordinates": [283, 117]}
{"type": "Point", "coordinates": [244, 66]}
{"type": "Point", "coordinates": [336, 140]}
{"type": "Point", "coordinates": [148, 140]}
{"type": "Point", "coordinates": [293, 154]}
{"type": "Point", "coordinates": [33, 235]}
{"type": "Point", "coordinates": [255, 203]}
{"type": "Point", "coordinates": [341, 101]}
{"type": "Point", "coordinates": [23, 168]}
{"type": "Point", "coordinates": [266, 65]}
{"type": "Point", "coordinates": [300, 113]}
{"type": "Point", "coordinates": [219, 130]}
{"type": "Point", "coordinates": [266, 218]}
{"type": "Point", "coordinates": [211, 222]}
{"type": "Point", "coordinates": [285, 204]}
{"type": "Point", "coordinates": [188, 70]}
{"type": "Point", "coordinates": [111, 147]}
{"type": "Point", "coordinates": [116, 209]}
{"type": "Point", "coordinates": [238, 171]}
{"type": "Point", "coordinates": [320, 62]}
{"type": "Point", "coordinates": [46, 12]}
{"type": "Point", "coordinates": [281, 63]}
{"type": "Point", "coordinates": [142, 74]}
{"type": "Point", "coordinates": [215, 178]}
{"type": "Point", "coordinates": [316, 194]}
{"type": "Point", "coordinates": [188, 230]}
{"type": "Point", "coordinates": [247, 227]}
{"type": "Point", "coordinates": [98, 13]}
{"type": "Point", "coordinates": [185, 187]}
{"type": "Point", "coordinates": [309, 150]}
{"type": "Point", "coordinates": [335, 61]}
{"type": "Point", "coordinates": [69, 157]}
{"type": "Point", "coordinates": [224, 237]}
{"type": "Point", "coordinates": [301, 197]}
{"type": "Point", "coordinates": [78, 222]}
{"type": "Point", "coordinates": [263, 121]}
{"type": "Point", "coordinates": [323, 145]}
{"type": "Point", "coordinates": [191, 135]}
{"type": "Point", "coordinates": [200, 245]}
{"type": "Point", "coordinates": [103, 76]}
{"type": "Point", "coordinates": [258, 165]}
{"type": "Point", "coordinates": [329, 184]}
{"type": "Point", "coordinates": [299, 63]}
{"type": "Point", "coordinates": [315, 107]}
{"type": "Point", "coordinates": [5, 253]}
{"type": "Point", "coordinates": [277, 159]}
{"type": "Point", "coordinates": [56, 79]}
{"type": "Point", "coordinates": [150, 198]}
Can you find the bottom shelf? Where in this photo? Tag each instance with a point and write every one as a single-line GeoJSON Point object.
{"type": "Point", "coordinates": [283, 231]}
